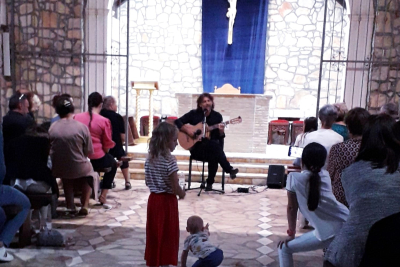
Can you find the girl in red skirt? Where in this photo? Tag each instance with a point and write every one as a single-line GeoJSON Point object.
{"type": "Point", "coordinates": [161, 173]}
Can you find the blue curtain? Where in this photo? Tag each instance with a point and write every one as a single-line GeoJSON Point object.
{"type": "Point", "coordinates": [242, 63]}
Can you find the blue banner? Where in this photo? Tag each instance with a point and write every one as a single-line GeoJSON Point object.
{"type": "Point", "coordinates": [243, 62]}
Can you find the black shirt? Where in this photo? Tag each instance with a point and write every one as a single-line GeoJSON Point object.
{"type": "Point", "coordinates": [195, 116]}
{"type": "Point", "coordinates": [14, 125]}
{"type": "Point", "coordinates": [118, 128]}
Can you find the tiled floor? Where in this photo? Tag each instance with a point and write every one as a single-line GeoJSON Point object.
{"type": "Point", "coordinates": [246, 227]}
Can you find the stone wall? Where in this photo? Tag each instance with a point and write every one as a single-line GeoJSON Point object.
{"type": "Point", "coordinates": [295, 32]}
{"type": "Point", "coordinates": [48, 44]}
{"type": "Point", "coordinates": [165, 45]}
{"type": "Point", "coordinates": [385, 78]}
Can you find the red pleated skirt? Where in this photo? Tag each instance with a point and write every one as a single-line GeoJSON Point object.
{"type": "Point", "coordinates": [162, 230]}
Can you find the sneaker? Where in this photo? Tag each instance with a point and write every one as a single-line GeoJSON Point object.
{"type": "Point", "coordinates": [233, 173]}
{"type": "Point", "coordinates": [208, 187]}
{"type": "Point", "coordinates": [4, 256]}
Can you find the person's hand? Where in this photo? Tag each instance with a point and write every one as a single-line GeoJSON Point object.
{"type": "Point", "coordinates": [182, 194]}
{"type": "Point", "coordinates": [280, 243]}
{"type": "Point", "coordinates": [221, 127]}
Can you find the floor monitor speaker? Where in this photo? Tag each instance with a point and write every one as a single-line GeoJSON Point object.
{"type": "Point", "coordinates": [276, 176]}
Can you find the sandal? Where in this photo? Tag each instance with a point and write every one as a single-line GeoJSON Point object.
{"type": "Point", "coordinates": [128, 185]}
{"type": "Point", "coordinates": [4, 256]}
{"type": "Point", "coordinates": [83, 212]}
{"type": "Point", "coordinates": [102, 199]}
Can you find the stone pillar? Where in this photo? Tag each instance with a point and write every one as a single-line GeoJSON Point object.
{"type": "Point", "coordinates": [96, 43]}
{"type": "Point", "coordinates": [385, 76]}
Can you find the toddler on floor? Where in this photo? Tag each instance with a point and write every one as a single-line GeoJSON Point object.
{"type": "Point", "coordinates": [197, 243]}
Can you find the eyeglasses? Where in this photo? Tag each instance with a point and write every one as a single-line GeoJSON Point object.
{"type": "Point", "coordinates": [20, 98]}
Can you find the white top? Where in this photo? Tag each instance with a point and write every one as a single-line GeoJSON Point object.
{"type": "Point", "coordinates": [330, 214]}
{"type": "Point", "coordinates": [199, 245]}
{"type": "Point", "coordinates": [325, 137]}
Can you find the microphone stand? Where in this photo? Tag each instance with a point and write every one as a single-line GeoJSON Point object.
{"type": "Point", "coordinates": [203, 140]}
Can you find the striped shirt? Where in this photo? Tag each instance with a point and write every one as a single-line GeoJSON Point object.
{"type": "Point", "coordinates": [157, 172]}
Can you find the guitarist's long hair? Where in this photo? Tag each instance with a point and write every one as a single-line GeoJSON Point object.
{"type": "Point", "coordinates": [200, 100]}
{"type": "Point", "coordinates": [159, 141]}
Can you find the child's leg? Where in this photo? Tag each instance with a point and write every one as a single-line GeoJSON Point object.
{"type": "Point", "coordinates": [212, 260]}
{"type": "Point", "coordinates": [306, 242]}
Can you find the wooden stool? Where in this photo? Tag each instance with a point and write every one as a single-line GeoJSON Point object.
{"type": "Point", "coordinates": [37, 201]}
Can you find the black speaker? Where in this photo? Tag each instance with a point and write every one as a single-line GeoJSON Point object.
{"type": "Point", "coordinates": [276, 176]}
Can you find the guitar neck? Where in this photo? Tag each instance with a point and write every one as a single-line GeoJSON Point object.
{"type": "Point", "coordinates": [210, 128]}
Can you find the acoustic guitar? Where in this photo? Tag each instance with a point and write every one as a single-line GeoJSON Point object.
{"type": "Point", "coordinates": [187, 142]}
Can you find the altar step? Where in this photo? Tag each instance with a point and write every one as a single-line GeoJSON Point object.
{"type": "Point", "coordinates": [252, 170]}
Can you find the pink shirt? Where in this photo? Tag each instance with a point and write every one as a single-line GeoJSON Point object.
{"type": "Point", "coordinates": [100, 131]}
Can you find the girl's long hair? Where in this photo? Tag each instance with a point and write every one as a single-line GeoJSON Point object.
{"type": "Point", "coordinates": [94, 100]}
{"type": "Point", "coordinates": [159, 141]}
{"type": "Point", "coordinates": [313, 158]}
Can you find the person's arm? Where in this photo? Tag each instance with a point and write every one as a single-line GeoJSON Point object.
{"type": "Point", "coordinates": [176, 189]}
{"type": "Point", "coordinates": [87, 143]}
{"type": "Point", "coordinates": [184, 258]}
{"type": "Point", "coordinates": [106, 138]}
{"type": "Point", "coordinates": [332, 164]}
{"type": "Point", "coordinates": [182, 121]}
{"type": "Point", "coordinates": [292, 208]}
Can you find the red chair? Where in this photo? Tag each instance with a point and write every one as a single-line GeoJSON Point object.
{"type": "Point", "coordinates": [296, 129]}
{"type": "Point", "coordinates": [278, 128]}
{"type": "Point", "coordinates": [144, 124]}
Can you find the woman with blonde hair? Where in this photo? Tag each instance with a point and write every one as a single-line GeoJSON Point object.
{"type": "Point", "coordinates": [161, 175]}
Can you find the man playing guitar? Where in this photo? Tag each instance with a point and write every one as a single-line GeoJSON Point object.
{"type": "Point", "coordinates": [211, 150]}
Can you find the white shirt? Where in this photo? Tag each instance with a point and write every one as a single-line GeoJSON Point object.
{"type": "Point", "coordinates": [198, 244]}
{"type": "Point", "coordinates": [330, 214]}
{"type": "Point", "coordinates": [325, 137]}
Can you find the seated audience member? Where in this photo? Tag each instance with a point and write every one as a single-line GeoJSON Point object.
{"type": "Point", "coordinates": [70, 146]}
{"type": "Point", "coordinates": [33, 100]}
{"type": "Point", "coordinates": [109, 111]}
{"type": "Point", "coordinates": [310, 125]}
{"type": "Point", "coordinates": [9, 197]}
{"type": "Point", "coordinates": [28, 166]}
{"type": "Point", "coordinates": [342, 155]}
{"type": "Point", "coordinates": [311, 192]}
{"type": "Point", "coordinates": [383, 243]}
{"type": "Point", "coordinates": [325, 136]}
{"type": "Point", "coordinates": [390, 109]}
{"type": "Point", "coordinates": [15, 123]}
{"type": "Point", "coordinates": [339, 126]}
{"type": "Point", "coordinates": [54, 103]}
{"type": "Point", "coordinates": [100, 131]}
{"type": "Point", "coordinates": [372, 186]}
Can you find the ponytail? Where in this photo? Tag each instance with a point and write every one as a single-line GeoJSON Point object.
{"type": "Point", "coordinates": [313, 158]}
{"type": "Point", "coordinates": [314, 190]}
{"type": "Point", "coordinates": [91, 115]}
{"type": "Point", "coordinates": [94, 100]}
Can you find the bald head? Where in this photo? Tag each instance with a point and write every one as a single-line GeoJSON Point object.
{"type": "Point", "coordinates": [109, 103]}
{"type": "Point", "coordinates": [194, 224]}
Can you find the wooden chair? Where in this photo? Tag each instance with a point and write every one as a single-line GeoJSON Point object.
{"type": "Point", "coordinates": [144, 124]}
{"type": "Point", "coordinates": [227, 89]}
{"type": "Point", "coordinates": [280, 127]}
{"type": "Point", "coordinates": [295, 129]}
{"type": "Point", "coordinates": [131, 132]}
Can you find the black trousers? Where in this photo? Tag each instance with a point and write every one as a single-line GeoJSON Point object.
{"type": "Point", "coordinates": [212, 152]}
{"type": "Point", "coordinates": [106, 162]}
